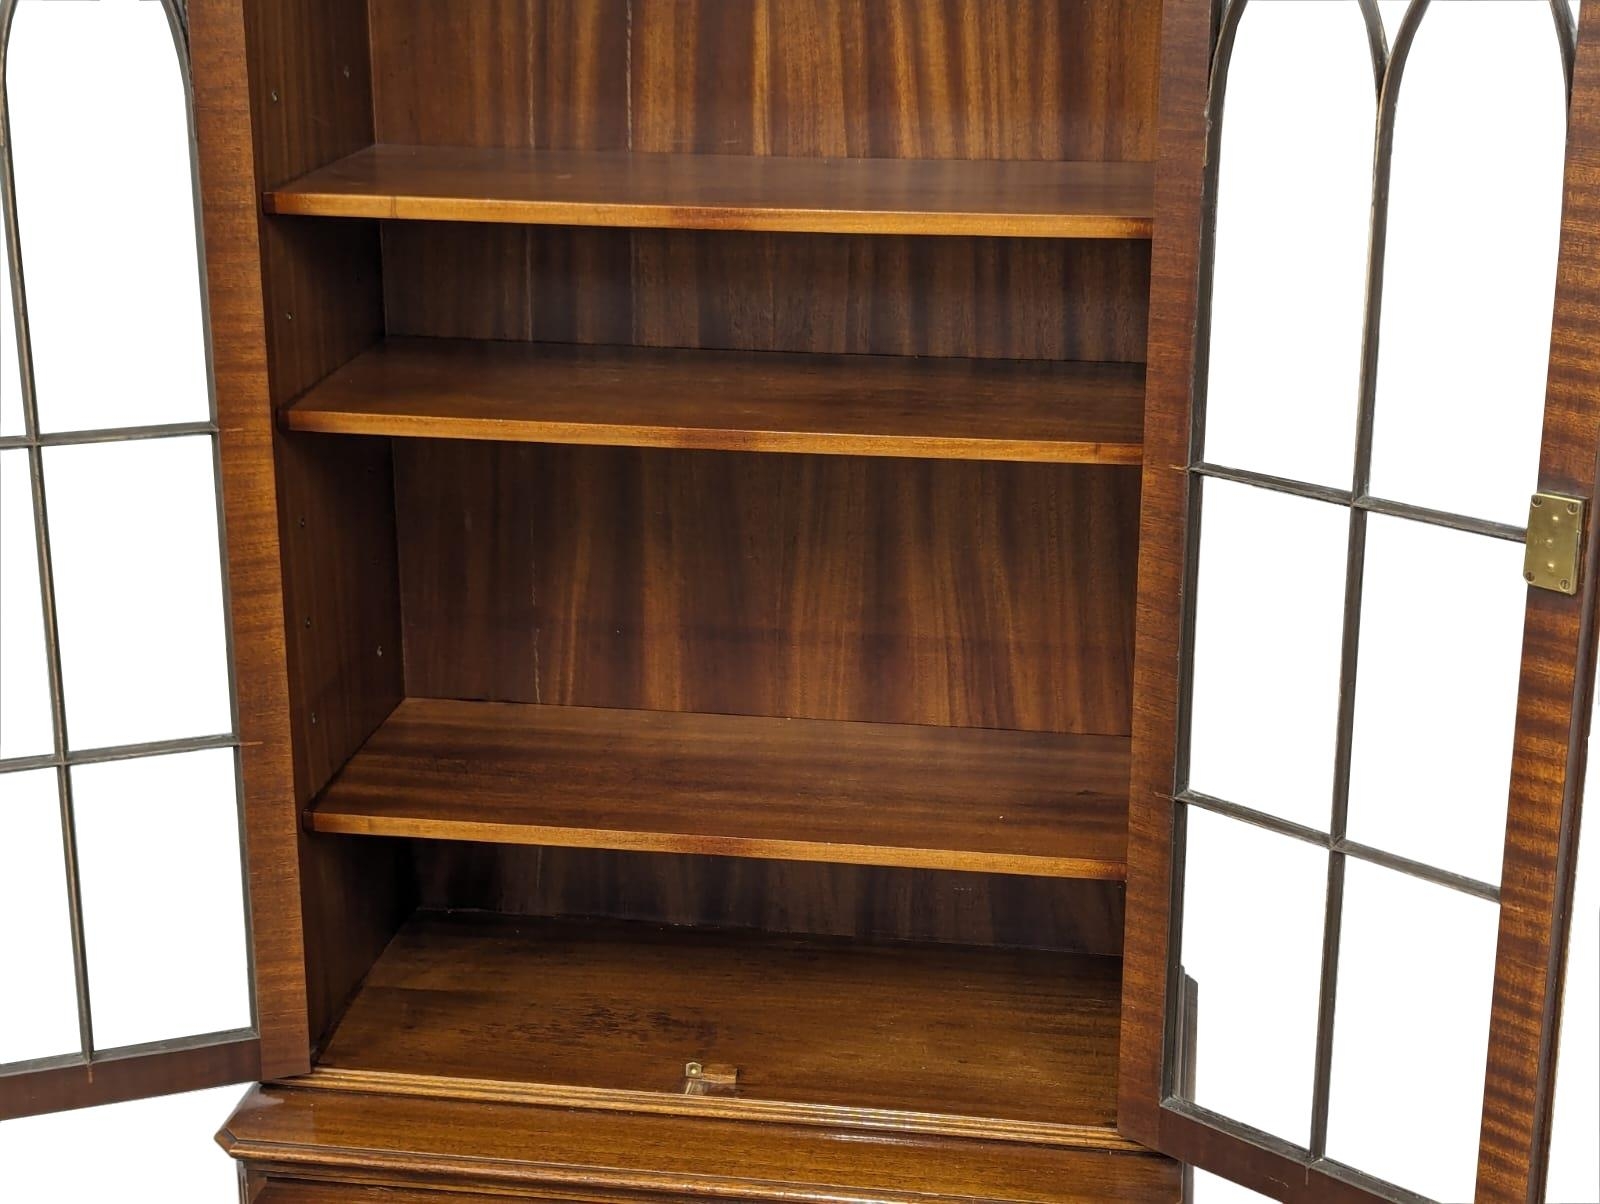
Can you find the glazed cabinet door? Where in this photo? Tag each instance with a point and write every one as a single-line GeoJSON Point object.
{"type": "Point", "coordinates": [146, 898]}
{"type": "Point", "coordinates": [1366, 590]}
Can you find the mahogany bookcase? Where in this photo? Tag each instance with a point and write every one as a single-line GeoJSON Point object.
{"type": "Point", "coordinates": [709, 490]}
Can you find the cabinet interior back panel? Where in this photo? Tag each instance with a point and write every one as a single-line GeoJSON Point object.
{"type": "Point", "coordinates": [812, 897]}
{"type": "Point", "coordinates": [897, 78]}
{"type": "Point", "coordinates": [1006, 79]}
{"type": "Point", "coordinates": [828, 294]}
{"type": "Point", "coordinates": [827, 587]}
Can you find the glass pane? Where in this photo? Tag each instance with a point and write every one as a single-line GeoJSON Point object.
{"type": "Point", "coordinates": [1411, 1031]}
{"type": "Point", "coordinates": [1574, 1174]}
{"type": "Point", "coordinates": [1266, 651]}
{"type": "Point", "coordinates": [1286, 328]}
{"type": "Point", "coordinates": [1469, 274]}
{"type": "Point", "coordinates": [133, 530]}
{"type": "Point", "coordinates": [1436, 695]}
{"type": "Point", "coordinates": [39, 1007]}
{"type": "Point", "coordinates": [25, 718]}
{"type": "Point", "coordinates": [1257, 970]}
{"type": "Point", "coordinates": [104, 79]}
{"type": "Point", "coordinates": [163, 905]}
{"type": "Point", "coordinates": [11, 421]}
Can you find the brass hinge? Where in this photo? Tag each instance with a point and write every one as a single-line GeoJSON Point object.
{"type": "Point", "coordinates": [1555, 542]}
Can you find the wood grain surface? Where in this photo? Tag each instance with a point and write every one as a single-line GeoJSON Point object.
{"type": "Point", "coordinates": [577, 1155]}
{"type": "Point", "coordinates": [1000, 298]}
{"type": "Point", "coordinates": [224, 120]}
{"type": "Point", "coordinates": [1187, 27]}
{"type": "Point", "coordinates": [320, 303]}
{"type": "Point", "coordinates": [849, 1025]}
{"type": "Point", "coordinates": [993, 198]}
{"type": "Point", "coordinates": [823, 587]}
{"type": "Point", "coordinates": [916, 79]}
{"type": "Point", "coordinates": [790, 789]}
{"type": "Point", "coordinates": [1554, 702]}
{"type": "Point", "coordinates": [1074, 915]}
{"type": "Point", "coordinates": [635, 397]}
{"type": "Point", "coordinates": [1006, 79]}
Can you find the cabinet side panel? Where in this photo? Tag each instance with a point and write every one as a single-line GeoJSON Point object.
{"type": "Point", "coordinates": [311, 95]}
{"type": "Point", "coordinates": [322, 289]}
{"type": "Point", "coordinates": [894, 591]}
{"type": "Point", "coordinates": [228, 186]}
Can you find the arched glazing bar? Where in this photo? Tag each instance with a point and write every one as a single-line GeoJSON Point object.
{"type": "Point", "coordinates": [35, 441]}
{"type": "Point", "coordinates": [1389, 66]}
{"type": "Point", "coordinates": [1388, 70]}
{"type": "Point", "coordinates": [1448, 513]}
{"type": "Point", "coordinates": [1222, 62]}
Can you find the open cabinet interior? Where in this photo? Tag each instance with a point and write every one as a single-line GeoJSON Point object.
{"type": "Point", "coordinates": [797, 622]}
{"type": "Point", "coordinates": [708, 472]}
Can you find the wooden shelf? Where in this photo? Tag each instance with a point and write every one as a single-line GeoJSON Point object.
{"type": "Point", "coordinates": [1010, 198]}
{"type": "Point", "coordinates": [738, 401]}
{"type": "Point", "coordinates": [818, 1029]}
{"type": "Point", "coordinates": [781, 789]}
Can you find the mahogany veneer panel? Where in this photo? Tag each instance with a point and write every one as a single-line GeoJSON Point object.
{"type": "Point", "coordinates": [868, 405]}
{"type": "Point", "coordinates": [998, 298]}
{"type": "Point", "coordinates": [729, 192]}
{"type": "Point", "coordinates": [812, 1022]}
{"type": "Point", "coordinates": [813, 898]}
{"type": "Point", "coordinates": [315, 294]}
{"type": "Point", "coordinates": [501, 72]}
{"type": "Point", "coordinates": [921, 79]}
{"type": "Point", "coordinates": [568, 1154]}
{"type": "Point", "coordinates": [787, 789]}
{"type": "Point", "coordinates": [823, 587]}
{"type": "Point", "coordinates": [1001, 79]}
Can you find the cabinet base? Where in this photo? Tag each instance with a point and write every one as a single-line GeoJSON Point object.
{"type": "Point", "coordinates": [327, 1147]}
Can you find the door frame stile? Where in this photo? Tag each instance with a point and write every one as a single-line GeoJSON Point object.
{"type": "Point", "coordinates": [1187, 33]}
{"type": "Point", "coordinates": [231, 211]}
{"type": "Point", "coordinates": [1554, 700]}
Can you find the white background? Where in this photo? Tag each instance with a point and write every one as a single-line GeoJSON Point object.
{"type": "Point", "coordinates": [1460, 386]}
{"type": "Point", "coordinates": [122, 1152]}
